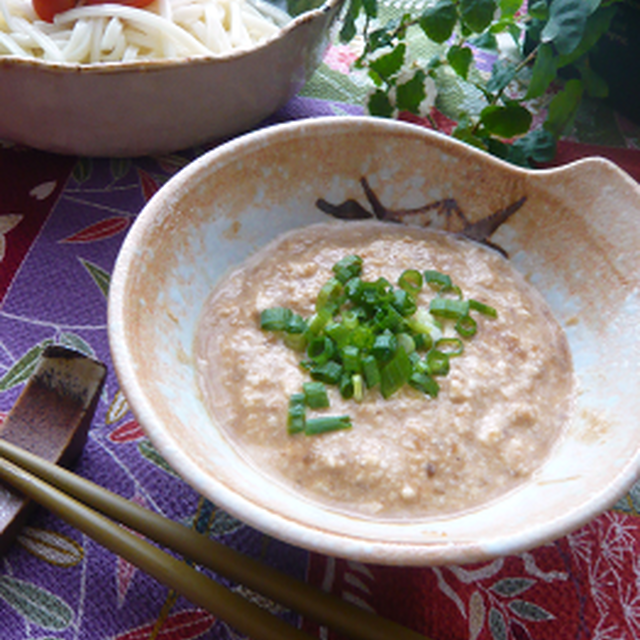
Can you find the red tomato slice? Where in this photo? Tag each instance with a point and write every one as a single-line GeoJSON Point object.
{"type": "Point", "coordinates": [47, 9]}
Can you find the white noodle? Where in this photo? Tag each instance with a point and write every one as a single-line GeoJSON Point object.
{"type": "Point", "coordinates": [113, 32]}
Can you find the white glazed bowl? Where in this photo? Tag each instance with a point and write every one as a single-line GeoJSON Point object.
{"type": "Point", "coordinates": [576, 238]}
{"type": "Point", "coordinates": [158, 106]}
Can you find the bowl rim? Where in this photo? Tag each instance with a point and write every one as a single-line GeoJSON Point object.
{"type": "Point", "coordinates": [313, 536]}
{"type": "Point", "coordinates": [162, 64]}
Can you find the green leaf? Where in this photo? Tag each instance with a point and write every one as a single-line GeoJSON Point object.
{"type": "Point", "coordinates": [410, 94]}
{"type": "Point", "coordinates": [563, 107]}
{"type": "Point", "coordinates": [379, 104]}
{"type": "Point", "coordinates": [510, 587]}
{"type": "Point", "coordinates": [99, 276]}
{"type": "Point", "coordinates": [566, 24]}
{"type": "Point", "coordinates": [539, 145]}
{"type": "Point", "coordinates": [24, 367]}
{"type": "Point", "coordinates": [348, 29]}
{"type": "Point", "coordinates": [438, 20]}
{"type": "Point", "coordinates": [388, 65]}
{"type": "Point", "coordinates": [149, 452]}
{"type": "Point", "coordinates": [460, 58]}
{"type": "Point", "coordinates": [544, 72]}
{"type": "Point", "coordinates": [119, 167]}
{"type": "Point", "coordinates": [497, 625]}
{"type": "Point", "coordinates": [370, 8]}
{"type": "Point", "coordinates": [37, 605]}
{"type": "Point", "coordinates": [530, 611]}
{"type": "Point", "coordinates": [506, 121]}
{"type": "Point", "coordinates": [74, 341]}
{"type": "Point", "coordinates": [82, 170]}
{"type": "Point", "coordinates": [502, 74]}
{"type": "Point", "coordinates": [508, 8]}
{"type": "Point", "coordinates": [465, 134]}
{"type": "Point", "coordinates": [597, 25]}
{"type": "Point", "coordinates": [486, 41]}
{"type": "Point", "coordinates": [538, 9]}
{"type": "Point", "coordinates": [477, 14]}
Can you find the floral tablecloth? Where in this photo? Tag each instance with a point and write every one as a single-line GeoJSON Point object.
{"type": "Point", "coordinates": [62, 221]}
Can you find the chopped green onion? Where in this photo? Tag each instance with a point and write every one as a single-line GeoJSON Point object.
{"type": "Point", "coordinates": [275, 318]}
{"type": "Point", "coordinates": [346, 386]}
{"type": "Point", "coordinates": [296, 416]}
{"type": "Point", "coordinates": [448, 308]}
{"type": "Point", "coordinates": [338, 332]}
{"type": "Point", "coordinates": [384, 346]}
{"type": "Point", "coordinates": [404, 303]}
{"type": "Point", "coordinates": [395, 374]}
{"type": "Point", "coordinates": [350, 358]}
{"type": "Point", "coordinates": [370, 371]}
{"type": "Point", "coordinates": [296, 324]}
{"type": "Point", "coordinates": [365, 334]}
{"type": "Point", "coordinates": [437, 280]}
{"type": "Point", "coordinates": [318, 321]}
{"type": "Point", "coordinates": [410, 281]}
{"type": "Point", "coordinates": [425, 383]}
{"type": "Point", "coordinates": [324, 424]}
{"type": "Point", "coordinates": [329, 372]}
{"type": "Point", "coordinates": [321, 349]}
{"type": "Point", "coordinates": [315, 395]}
{"type": "Point", "coordinates": [329, 295]}
{"type": "Point", "coordinates": [350, 320]}
{"type": "Point", "coordinates": [358, 387]}
{"type": "Point", "coordinates": [450, 346]}
{"type": "Point", "coordinates": [482, 308]}
{"type": "Point", "coordinates": [466, 326]}
{"type": "Point", "coordinates": [296, 341]}
{"type": "Point", "coordinates": [347, 268]}
{"type": "Point", "coordinates": [406, 342]}
{"type": "Point", "coordinates": [437, 363]}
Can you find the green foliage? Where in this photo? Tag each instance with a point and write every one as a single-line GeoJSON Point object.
{"type": "Point", "coordinates": [552, 38]}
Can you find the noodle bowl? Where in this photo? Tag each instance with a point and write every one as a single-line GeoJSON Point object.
{"type": "Point", "coordinates": [116, 81]}
{"type": "Point", "coordinates": [118, 33]}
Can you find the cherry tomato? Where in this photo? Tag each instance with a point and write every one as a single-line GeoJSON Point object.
{"type": "Point", "coordinates": [47, 9]}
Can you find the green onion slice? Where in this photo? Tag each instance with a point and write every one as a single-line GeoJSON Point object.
{"type": "Point", "coordinates": [425, 383]}
{"type": "Point", "coordinates": [347, 268]}
{"type": "Point", "coordinates": [450, 346]}
{"type": "Point", "coordinates": [449, 308]}
{"type": "Point", "coordinates": [437, 280]}
{"type": "Point", "coordinates": [466, 326]}
{"type": "Point", "coordinates": [325, 424]}
{"type": "Point", "coordinates": [437, 363]}
{"type": "Point", "coordinates": [410, 281]}
{"type": "Point", "coordinates": [315, 395]}
{"type": "Point", "coordinates": [275, 318]}
{"type": "Point", "coordinates": [329, 372]}
{"type": "Point", "coordinates": [296, 416]}
{"type": "Point", "coordinates": [321, 349]}
{"type": "Point", "coordinates": [395, 374]}
{"type": "Point", "coordinates": [485, 309]}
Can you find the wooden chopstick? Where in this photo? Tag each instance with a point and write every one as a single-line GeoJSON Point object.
{"type": "Point", "coordinates": [64, 493]}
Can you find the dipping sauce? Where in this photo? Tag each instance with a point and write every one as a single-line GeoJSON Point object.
{"type": "Point", "coordinates": [498, 413]}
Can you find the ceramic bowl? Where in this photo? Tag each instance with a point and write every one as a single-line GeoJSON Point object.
{"type": "Point", "coordinates": [159, 106]}
{"type": "Point", "coordinates": [572, 231]}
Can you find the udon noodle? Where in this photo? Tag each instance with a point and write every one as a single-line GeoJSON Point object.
{"type": "Point", "coordinates": [118, 33]}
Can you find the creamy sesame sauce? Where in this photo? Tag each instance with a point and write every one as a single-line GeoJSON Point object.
{"type": "Point", "coordinates": [499, 411]}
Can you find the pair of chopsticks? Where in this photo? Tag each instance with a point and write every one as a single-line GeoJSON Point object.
{"type": "Point", "coordinates": [88, 507]}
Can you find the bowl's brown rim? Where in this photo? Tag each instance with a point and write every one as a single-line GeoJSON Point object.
{"type": "Point", "coordinates": [11, 62]}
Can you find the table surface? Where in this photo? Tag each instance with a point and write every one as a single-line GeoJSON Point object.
{"type": "Point", "coordinates": [62, 221]}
